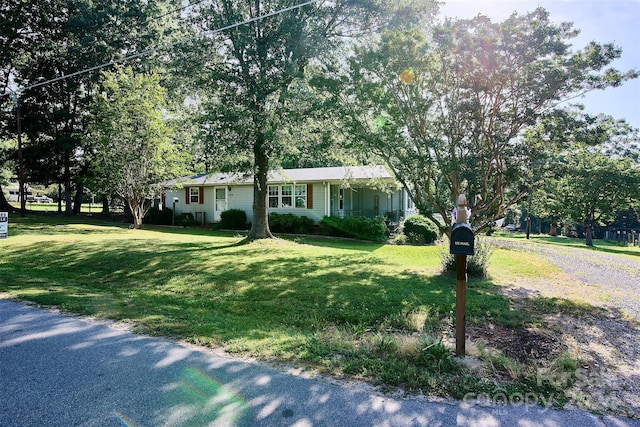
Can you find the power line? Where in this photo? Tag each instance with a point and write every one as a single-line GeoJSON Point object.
{"type": "Point", "coordinates": [166, 46]}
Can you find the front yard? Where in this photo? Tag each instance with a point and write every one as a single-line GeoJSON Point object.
{"type": "Point", "coordinates": [379, 313]}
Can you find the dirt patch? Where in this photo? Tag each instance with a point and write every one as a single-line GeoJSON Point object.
{"type": "Point", "coordinates": [526, 345]}
{"type": "Point", "coordinates": [604, 342]}
{"type": "Point", "coordinates": [593, 314]}
{"type": "Point", "coordinates": [608, 348]}
{"type": "Point", "coordinates": [604, 345]}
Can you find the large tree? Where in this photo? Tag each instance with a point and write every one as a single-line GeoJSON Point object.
{"type": "Point", "coordinates": [245, 76]}
{"type": "Point", "coordinates": [570, 135]}
{"type": "Point", "coordinates": [446, 109]}
{"type": "Point", "coordinates": [133, 141]}
{"type": "Point", "coordinates": [71, 36]}
{"type": "Point", "coordinates": [595, 187]}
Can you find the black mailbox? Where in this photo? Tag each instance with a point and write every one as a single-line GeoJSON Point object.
{"type": "Point", "coordinates": [461, 242]}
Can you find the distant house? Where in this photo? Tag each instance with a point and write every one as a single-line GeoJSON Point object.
{"type": "Point", "coordinates": [13, 190]}
{"type": "Point", "coordinates": [357, 191]}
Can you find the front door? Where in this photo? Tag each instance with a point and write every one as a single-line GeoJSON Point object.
{"type": "Point", "coordinates": [221, 202]}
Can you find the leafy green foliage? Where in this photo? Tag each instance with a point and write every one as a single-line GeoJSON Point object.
{"type": "Point", "coordinates": [157, 216]}
{"type": "Point", "coordinates": [374, 229]}
{"type": "Point", "coordinates": [456, 125]}
{"type": "Point", "coordinates": [133, 137]}
{"type": "Point", "coordinates": [252, 82]}
{"type": "Point", "coordinates": [185, 219]}
{"type": "Point", "coordinates": [233, 219]}
{"type": "Point", "coordinates": [70, 36]}
{"type": "Point", "coordinates": [420, 230]}
{"type": "Point", "coordinates": [595, 187]}
{"type": "Point", "coordinates": [477, 264]}
{"type": "Point", "coordinates": [290, 223]}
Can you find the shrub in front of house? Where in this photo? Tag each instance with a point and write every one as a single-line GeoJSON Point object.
{"type": "Point", "coordinates": [357, 227]}
{"type": "Point", "coordinates": [185, 220]}
{"type": "Point", "coordinates": [290, 223]}
{"type": "Point", "coordinates": [233, 219]}
{"type": "Point", "coordinates": [156, 216]}
{"type": "Point", "coordinates": [420, 230]}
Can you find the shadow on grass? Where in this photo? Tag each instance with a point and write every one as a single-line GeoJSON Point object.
{"type": "Point", "coordinates": [186, 282]}
{"type": "Point", "coordinates": [269, 300]}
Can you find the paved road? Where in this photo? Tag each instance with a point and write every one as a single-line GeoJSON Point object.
{"type": "Point", "coordinates": [63, 371]}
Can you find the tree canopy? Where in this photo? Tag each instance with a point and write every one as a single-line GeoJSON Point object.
{"type": "Point", "coordinates": [70, 36]}
{"type": "Point", "coordinates": [248, 76]}
{"type": "Point", "coordinates": [460, 106]}
{"type": "Point", "coordinates": [446, 109]}
{"type": "Point", "coordinates": [595, 187]}
{"type": "Point", "coordinates": [133, 140]}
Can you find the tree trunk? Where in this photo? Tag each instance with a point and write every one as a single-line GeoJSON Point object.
{"type": "Point", "coordinates": [67, 185]}
{"type": "Point", "coordinates": [137, 209]}
{"type": "Point", "coordinates": [553, 228]}
{"type": "Point", "coordinates": [528, 226]}
{"type": "Point", "coordinates": [77, 200]}
{"type": "Point", "coordinates": [4, 204]}
{"type": "Point", "coordinates": [105, 204]}
{"type": "Point", "coordinates": [588, 234]}
{"type": "Point", "coordinates": [260, 223]}
{"type": "Point", "coordinates": [588, 229]}
{"type": "Point", "coordinates": [59, 197]}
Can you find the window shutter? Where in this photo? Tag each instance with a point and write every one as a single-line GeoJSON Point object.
{"type": "Point", "coordinates": [187, 197]}
{"type": "Point", "coordinates": [164, 200]}
{"type": "Point", "coordinates": [309, 196]}
{"type": "Point", "coordinates": [201, 195]}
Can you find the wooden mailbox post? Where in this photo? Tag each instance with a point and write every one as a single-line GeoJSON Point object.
{"type": "Point", "coordinates": [461, 244]}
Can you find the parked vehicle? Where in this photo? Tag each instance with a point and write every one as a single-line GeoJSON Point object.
{"type": "Point", "coordinates": [42, 199]}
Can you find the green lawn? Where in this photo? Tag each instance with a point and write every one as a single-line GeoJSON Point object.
{"type": "Point", "coordinates": [86, 208]}
{"type": "Point", "coordinates": [379, 312]}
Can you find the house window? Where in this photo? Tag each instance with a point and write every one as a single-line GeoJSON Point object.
{"type": "Point", "coordinates": [284, 196]}
{"type": "Point", "coordinates": [194, 195]}
{"type": "Point", "coordinates": [287, 196]}
{"type": "Point", "coordinates": [301, 196]}
{"type": "Point", "coordinates": [274, 193]}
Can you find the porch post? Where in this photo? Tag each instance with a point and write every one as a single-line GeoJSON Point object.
{"type": "Point", "coordinates": [327, 199]}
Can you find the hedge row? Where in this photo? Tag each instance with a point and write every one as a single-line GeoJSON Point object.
{"type": "Point", "coordinates": [235, 219]}
{"type": "Point", "coordinates": [360, 228]}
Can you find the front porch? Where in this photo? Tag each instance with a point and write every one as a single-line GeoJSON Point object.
{"type": "Point", "coordinates": [392, 204]}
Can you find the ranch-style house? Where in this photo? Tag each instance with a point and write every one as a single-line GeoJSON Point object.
{"type": "Point", "coordinates": [358, 191]}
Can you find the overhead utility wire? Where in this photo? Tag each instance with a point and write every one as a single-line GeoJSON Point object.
{"type": "Point", "coordinates": [166, 46]}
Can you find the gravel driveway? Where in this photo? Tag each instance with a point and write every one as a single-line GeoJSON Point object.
{"type": "Point", "coordinates": [606, 345]}
{"type": "Point", "coordinates": [609, 280]}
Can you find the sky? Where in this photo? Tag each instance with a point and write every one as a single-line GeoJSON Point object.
{"type": "Point", "coordinates": [604, 21]}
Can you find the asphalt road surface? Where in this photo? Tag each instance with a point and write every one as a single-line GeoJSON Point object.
{"type": "Point", "coordinates": [57, 370]}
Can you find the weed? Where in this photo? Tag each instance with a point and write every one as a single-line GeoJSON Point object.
{"type": "Point", "coordinates": [477, 264]}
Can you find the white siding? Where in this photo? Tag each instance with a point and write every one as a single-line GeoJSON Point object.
{"type": "Point", "coordinates": [241, 197]}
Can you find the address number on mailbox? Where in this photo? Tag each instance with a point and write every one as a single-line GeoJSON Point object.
{"type": "Point", "coordinates": [462, 240]}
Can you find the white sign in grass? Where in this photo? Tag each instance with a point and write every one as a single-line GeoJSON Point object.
{"type": "Point", "coordinates": [4, 225]}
